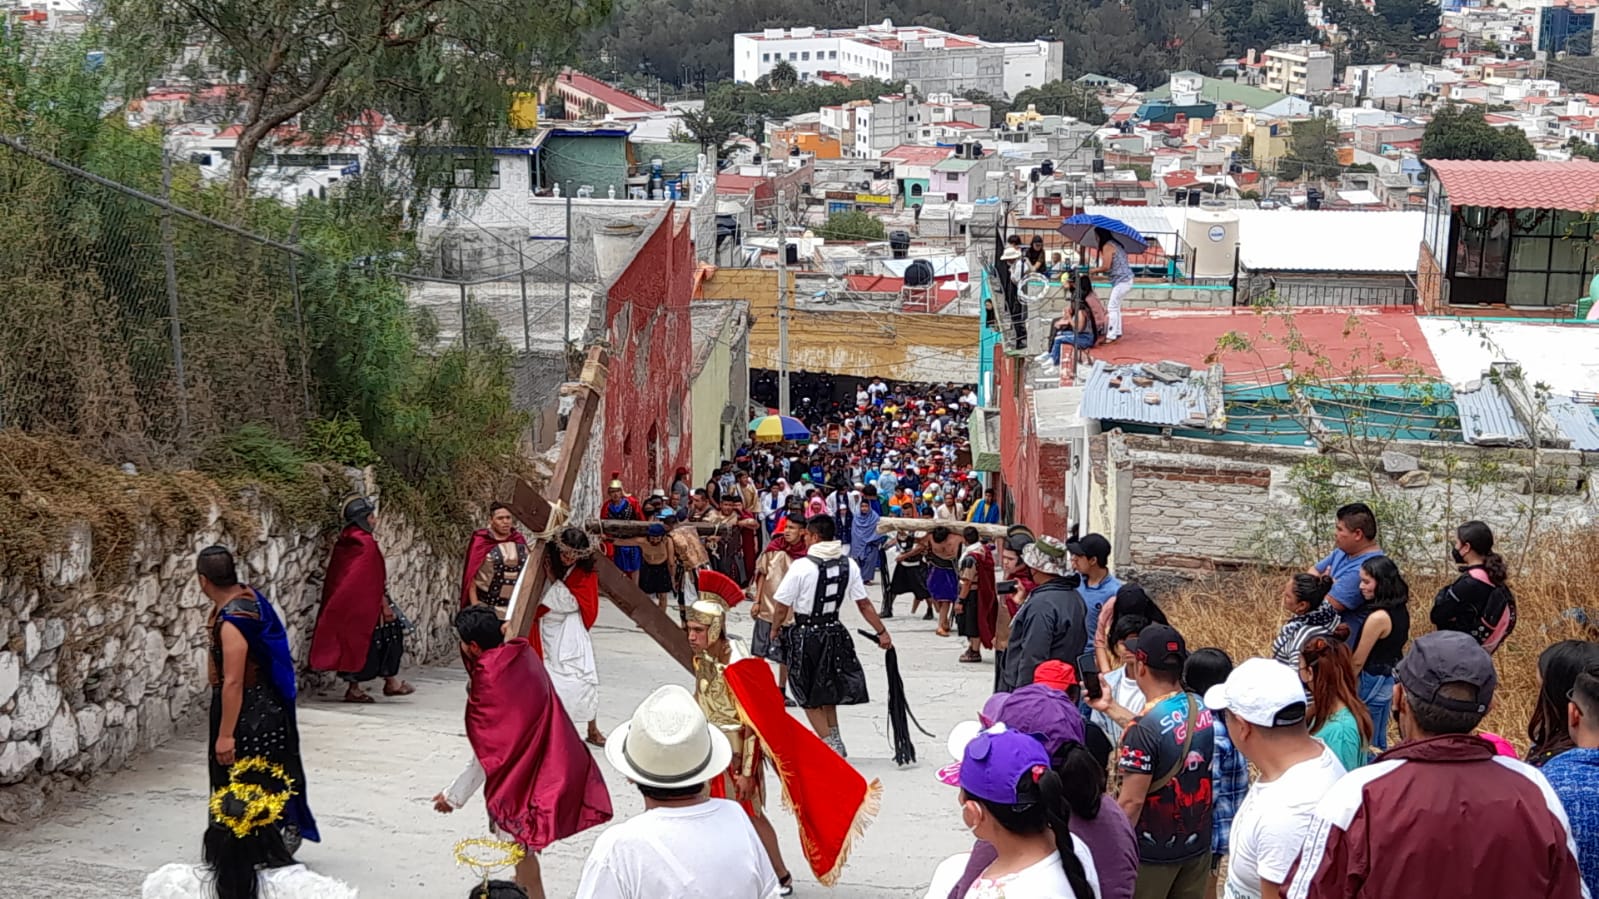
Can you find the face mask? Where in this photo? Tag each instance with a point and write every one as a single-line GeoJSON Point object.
{"type": "Point", "coordinates": [1455, 554]}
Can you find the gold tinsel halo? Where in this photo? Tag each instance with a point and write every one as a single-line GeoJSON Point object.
{"type": "Point", "coordinates": [510, 854]}
{"type": "Point", "coordinates": [260, 807]}
{"type": "Point", "coordinates": [256, 763]}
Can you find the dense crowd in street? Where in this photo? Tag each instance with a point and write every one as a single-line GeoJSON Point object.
{"type": "Point", "coordinates": [1111, 761]}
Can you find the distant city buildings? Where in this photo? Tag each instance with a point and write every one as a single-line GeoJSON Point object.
{"type": "Point", "coordinates": [927, 59]}
{"type": "Point", "coordinates": [1298, 69]}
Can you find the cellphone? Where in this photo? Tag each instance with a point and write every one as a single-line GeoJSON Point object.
{"type": "Point", "coordinates": [1005, 588]}
{"type": "Point", "coordinates": [1088, 673]}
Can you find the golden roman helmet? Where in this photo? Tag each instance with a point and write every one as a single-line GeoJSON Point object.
{"type": "Point", "coordinates": [711, 612]}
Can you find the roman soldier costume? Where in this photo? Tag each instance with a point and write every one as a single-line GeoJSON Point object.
{"type": "Point", "coordinates": [831, 801]}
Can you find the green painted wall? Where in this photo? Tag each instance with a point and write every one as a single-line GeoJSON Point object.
{"type": "Point", "coordinates": [573, 161]}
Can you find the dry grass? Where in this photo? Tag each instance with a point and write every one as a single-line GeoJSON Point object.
{"type": "Point", "coordinates": [1241, 613]}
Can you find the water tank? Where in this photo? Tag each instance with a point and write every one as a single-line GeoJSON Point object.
{"type": "Point", "coordinates": [1211, 235]}
{"type": "Point", "coordinates": [900, 243]}
{"type": "Point", "coordinates": [919, 273]}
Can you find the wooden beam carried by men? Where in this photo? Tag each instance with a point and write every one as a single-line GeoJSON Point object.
{"type": "Point", "coordinates": [533, 509]}
{"type": "Point", "coordinates": [619, 528]}
{"type": "Point", "coordinates": [904, 525]}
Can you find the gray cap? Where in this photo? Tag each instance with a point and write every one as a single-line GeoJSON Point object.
{"type": "Point", "coordinates": [1448, 657]}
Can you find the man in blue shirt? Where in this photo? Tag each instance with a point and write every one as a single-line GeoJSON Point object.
{"type": "Point", "coordinates": [985, 510]}
{"type": "Point", "coordinates": [1574, 775]}
{"type": "Point", "coordinates": [1354, 541]}
{"type": "Point", "coordinates": [1091, 560]}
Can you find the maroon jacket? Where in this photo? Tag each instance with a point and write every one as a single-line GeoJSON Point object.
{"type": "Point", "coordinates": [1443, 816]}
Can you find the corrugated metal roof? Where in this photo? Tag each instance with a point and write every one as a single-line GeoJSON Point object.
{"type": "Point", "coordinates": [1181, 404]}
{"type": "Point", "coordinates": [1576, 421]}
{"type": "Point", "coordinates": [1487, 419]}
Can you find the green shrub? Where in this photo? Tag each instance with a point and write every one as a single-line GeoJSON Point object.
{"type": "Point", "coordinates": [338, 440]}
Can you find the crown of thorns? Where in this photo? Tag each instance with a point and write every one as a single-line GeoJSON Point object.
{"type": "Point", "coordinates": [579, 552]}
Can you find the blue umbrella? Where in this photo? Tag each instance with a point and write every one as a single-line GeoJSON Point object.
{"type": "Point", "coordinates": [1083, 230]}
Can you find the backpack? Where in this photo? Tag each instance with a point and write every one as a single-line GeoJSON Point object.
{"type": "Point", "coordinates": [1491, 623]}
{"type": "Point", "coordinates": [1497, 620]}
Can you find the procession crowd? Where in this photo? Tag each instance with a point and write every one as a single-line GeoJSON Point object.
{"type": "Point", "coordinates": [1112, 761]}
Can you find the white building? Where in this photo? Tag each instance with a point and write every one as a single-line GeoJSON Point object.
{"type": "Point", "coordinates": [929, 60]}
{"type": "Point", "coordinates": [1298, 69]}
{"type": "Point", "coordinates": [1381, 81]}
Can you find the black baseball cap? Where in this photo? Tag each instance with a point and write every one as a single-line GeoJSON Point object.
{"type": "Point", "coordinates": [1160, 647]}
{"type": "Point", "coordinates": [1092, 546]}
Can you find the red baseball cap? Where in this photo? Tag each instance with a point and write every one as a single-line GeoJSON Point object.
{"type": "Point", "coordinates": [1055, 673]}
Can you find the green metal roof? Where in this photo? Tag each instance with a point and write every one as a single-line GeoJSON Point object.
{"type": "Point", "coordinates": [955, 165]}
{"type": "Point", "coordinates": [1219, 90]}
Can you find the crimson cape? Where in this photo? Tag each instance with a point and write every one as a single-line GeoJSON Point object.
{"type": "Point", "coordinates": [352, 603]}
{"type": "Point", "coordinates": [542, 784]}
{"type": "Point", "coordinates": [482, 542]}
{"type": "Point", "coordinates": [831, 801]}
{"type": "Point", "coordinates": [987, 597]}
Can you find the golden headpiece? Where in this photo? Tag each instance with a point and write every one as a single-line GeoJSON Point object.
{"type": "Point", "coordinates": [710, 611]}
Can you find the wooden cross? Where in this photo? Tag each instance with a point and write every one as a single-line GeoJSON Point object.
{"type": "Point", "coordinates": [532, 508]}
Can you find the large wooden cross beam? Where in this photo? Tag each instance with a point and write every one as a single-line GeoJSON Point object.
{"type": "Point", "coordinates": [533, 508]}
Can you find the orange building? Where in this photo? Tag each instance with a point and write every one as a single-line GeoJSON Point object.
{"type": "Point", "coordinates": [821, 146]}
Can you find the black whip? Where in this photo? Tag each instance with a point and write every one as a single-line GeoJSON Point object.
{"type": "Point", "coordinates": [900, 716]}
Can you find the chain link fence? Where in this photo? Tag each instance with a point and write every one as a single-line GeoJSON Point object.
{"type": "Point", "coordinates": [132, 322]}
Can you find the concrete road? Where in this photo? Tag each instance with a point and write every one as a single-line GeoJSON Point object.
{"type": "Point", "coordinates": [373, 769]}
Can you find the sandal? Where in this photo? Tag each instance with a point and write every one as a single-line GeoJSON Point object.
{"type": "Point", "coordinates": [404, 689]}
{"type": "Point", "coordinates": [942, 631]}
{"type": "Point", "coordinates": [971, 656]}
{"type": "Point", "coordinates": [785, 884]}
{"type": "Point", "coordinates": [595, 739]}
{"type": "Point", "coordinates": [358, 698]}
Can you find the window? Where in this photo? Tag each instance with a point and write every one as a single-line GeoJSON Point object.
{"type": "Point", "coordinates": [476, 175]}
{"type": "Point", "coordinates": [806, 56]}
{"type": "Point", "coordinates": [951, 176]}
{"type": "Point", "coordinates": [766, 57]}
{"type": "Point", "coordinates": [1549, 258]}
{"type": "Point", "coordinates": [832, 54]}
{"type": "Point", "coordinates": [792, 56]}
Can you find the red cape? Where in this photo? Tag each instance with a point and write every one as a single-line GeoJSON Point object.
{"type": "Point", "coordinates": [987, 597]}
{"type": "Point", "coordinates": [352, 603]}
{"type": "Point", "coordinates": [542, 784]}
{"type": "Point", "coordinates": [585, 587]}
{"type": "Point", "coordinates": [476, 550]}
{"type": "Point", "coordinates": [831, 801]}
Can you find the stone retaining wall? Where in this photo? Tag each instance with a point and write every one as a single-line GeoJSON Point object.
{"type": "Point", "coordinates": [95, 667]}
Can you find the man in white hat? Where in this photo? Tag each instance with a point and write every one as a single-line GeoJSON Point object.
{"type": "Point", "coordinates": [1266, 714]}
{"type": "Point", "coordinates": [1051, 624]}
{"type": "Point", "coordinates": [685, 844]}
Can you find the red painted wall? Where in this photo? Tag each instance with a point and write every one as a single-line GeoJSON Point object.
{"type": "Point", "coordinates": [1033, 473]}
{"type": "Point", "coordinates": [647, 316]}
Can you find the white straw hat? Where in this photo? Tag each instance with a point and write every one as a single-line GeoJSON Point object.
{"type": "Point", "coordinates": [668, 743]}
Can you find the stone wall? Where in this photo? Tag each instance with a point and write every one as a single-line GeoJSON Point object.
{"type": "Point", "coordinates": [96, 667]}
{"type": "Point", "coordinates": [1189, 513]}
{"type": "Point", "coordinates": [1178, 504]}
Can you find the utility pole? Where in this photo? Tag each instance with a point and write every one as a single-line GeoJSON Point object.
{"type": "Point", "coordinates": [782, 310]}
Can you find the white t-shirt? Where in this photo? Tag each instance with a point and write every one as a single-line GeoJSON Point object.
{"type": "Point", "coordinates": [798, 588]}
{"type": "Point", "coordinates": [686, 852]}
{"type": "Point", "coordinates": [1272, 821]}
{"type": "Point", "coordinates": [862, 397]}
{"type": "Point", "coordinates": [1041, 880]}
{"type": "Point", "coordinates": [1125, 691]}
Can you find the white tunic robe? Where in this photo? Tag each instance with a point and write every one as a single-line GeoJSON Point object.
{"type": "Point", "coordinates": [179, 881]}
{"type": "Point", "coordinates": [569, 655]}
